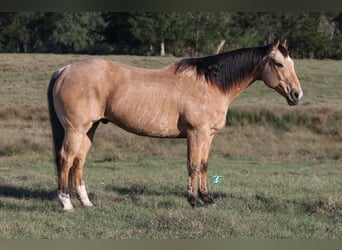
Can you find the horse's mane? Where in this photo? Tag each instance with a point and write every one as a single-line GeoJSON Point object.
{"type": "Point", "coordinates": [228, 68]}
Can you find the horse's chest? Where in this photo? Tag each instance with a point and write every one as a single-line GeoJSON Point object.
{"type": "Point", "coordinates": [207, 112]}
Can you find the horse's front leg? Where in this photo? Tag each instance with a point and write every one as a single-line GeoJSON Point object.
{"type": "Point", "coordinates": [204, 190]}
{"type": "Point", "coordinates": [198, 152]}
{"type": "Point", "coordinates": [203, 187]}
{"type": "Point", "coordinates": [194, 161]}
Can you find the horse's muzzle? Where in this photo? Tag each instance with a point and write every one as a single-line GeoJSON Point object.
{"type": "Point", "coordinates": [294, 97]}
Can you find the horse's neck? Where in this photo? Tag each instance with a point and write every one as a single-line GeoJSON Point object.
{"type": "Point", "coordinates": [244, 84]}
{"type": "Point", "coordinates": [239, 88]}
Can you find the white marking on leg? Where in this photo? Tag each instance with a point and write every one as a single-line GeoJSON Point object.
{"type": "Point", "coordinates": [83, 196]}
{"type": "Point", "coordinates": [64, 199]}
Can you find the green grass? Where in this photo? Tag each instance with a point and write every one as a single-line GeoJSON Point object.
{"type": "Point", "coordinates": [146, 199]}
{"type": "Point", "coordinates": [281, 165]}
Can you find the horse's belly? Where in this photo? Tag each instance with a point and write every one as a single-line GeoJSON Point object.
{"type": "Point", "coordinates": [146, 125]}
{"type": "Point", "coordinates": [148, 117]}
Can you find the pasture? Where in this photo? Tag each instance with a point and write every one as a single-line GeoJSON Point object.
{"type": "Point", "coordinates": [281, 165]}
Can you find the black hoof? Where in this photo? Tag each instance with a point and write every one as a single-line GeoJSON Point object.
{"type": "Point", "coordinates": [207, 199]}
{"type": "Point", "coordinates": [194, 202]}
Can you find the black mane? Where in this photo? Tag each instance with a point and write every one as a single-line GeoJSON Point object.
{"type": "Point", "coordinates": [228, 68]}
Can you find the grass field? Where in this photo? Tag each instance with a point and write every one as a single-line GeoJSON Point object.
{"type": "Point", "coordinates": [281, 165]}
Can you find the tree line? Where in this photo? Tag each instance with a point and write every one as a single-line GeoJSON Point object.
{"type": "Point", "coordinates": [310, 34]}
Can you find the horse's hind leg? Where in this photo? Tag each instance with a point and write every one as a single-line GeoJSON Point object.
{"type": "Point", "coordinates": [79, 164]}
{"type": "Point", "coordinates": [68, 152]}
{"type": "Point", "coordinates": [78, 172]}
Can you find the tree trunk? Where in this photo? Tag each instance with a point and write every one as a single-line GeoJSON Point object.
{"type": "Point", "coordinates": [196, 42]}
{"type": "Point", "coordinates": [220, 46]}
{"type": "Point", "coordinates": [162, 49]}
{"type": "Point", "coordinates": [151, 49]}
{"type": "Point", "coordinates": [21, 46]}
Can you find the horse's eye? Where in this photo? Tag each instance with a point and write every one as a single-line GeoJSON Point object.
{"type": "Point", "coordinates": [279, 64]}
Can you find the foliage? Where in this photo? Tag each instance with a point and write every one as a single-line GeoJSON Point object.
{"type": "Point", "coordinates": [76, 32]}
{"type": "Point", "coordinates": [311, 34]}
{"type": "Point", "coordinates": [206, 29]}
{"type": "Point", "coordinates": [154, 28]}
{"type": "Point", "coordinates": [117, 33]}
{"type": "Point", "coordinates": [50, 32]}
{"type": "Point", "coordinates": [18, 31]}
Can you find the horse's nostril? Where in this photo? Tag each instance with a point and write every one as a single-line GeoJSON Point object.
{"type": "Point", "coordinates": [295, 95]}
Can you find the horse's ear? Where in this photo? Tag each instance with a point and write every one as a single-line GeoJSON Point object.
{"type": "Point", "coordinates": [276, 43]}
{"type": "Point", "coordinates": [285, 44]}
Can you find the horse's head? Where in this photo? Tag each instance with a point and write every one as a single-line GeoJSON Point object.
{"type": "Point", "coordinates": [279, 73]}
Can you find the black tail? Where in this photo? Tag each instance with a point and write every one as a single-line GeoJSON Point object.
{"type": "Point", "coordinates": [57, 128]}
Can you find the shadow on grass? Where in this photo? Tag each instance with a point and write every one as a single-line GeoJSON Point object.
{"type": "Point", "coordinates": [256, 202]}
{"type": "Point", "coordinates": [144, 195]}
{"type": "Point", "coordinates": [178, 191]}
{"type": "Point", "coordinates": [137, 189]}
{"type": "Point", "coordinates": [25, 193]}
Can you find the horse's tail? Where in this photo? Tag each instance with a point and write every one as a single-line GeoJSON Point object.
{"type": "Point", "coordinates": [57, 128]}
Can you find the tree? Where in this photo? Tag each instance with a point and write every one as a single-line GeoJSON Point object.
{"type": "Point", "coordinates": [157, 29]}
{"type": "Point", "coordinates": [51, 32]}
{"type": "Point", "coordinates": [75, 32]}
{"type": "Point", "coordinates": [308, 39]}
{"type": "Point", "coordinates": [117, 33]}
{"type": "Point", "coordinates": [303, 31]}
{"type": "Point", "coordinates": [19, 32]}
{"type": "Point", "coordinates": [310, 34]}
{"type": "Point", "coordinates": [207, 30]}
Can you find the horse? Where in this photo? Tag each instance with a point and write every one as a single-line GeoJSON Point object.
{"type": "Point", "coordinates": [187, 99]}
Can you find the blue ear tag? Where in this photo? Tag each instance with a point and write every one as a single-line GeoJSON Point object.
{"type": "Point", "coordinates": [217, 179]}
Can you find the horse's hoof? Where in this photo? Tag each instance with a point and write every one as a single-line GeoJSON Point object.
{"type": "Point", "coordinates": [64, 200]}
{"type": "Point", "coordinates": [194, 202]}
{"type": "Point", "coordinates": [69, 210]}
{"type": "Point", "coordinates": [207, 199]}
{"type": "Point", "coordinates": [89, 206]}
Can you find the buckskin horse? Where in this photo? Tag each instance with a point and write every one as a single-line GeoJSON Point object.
{"type": "Point", "coordinates": [188, 99]}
